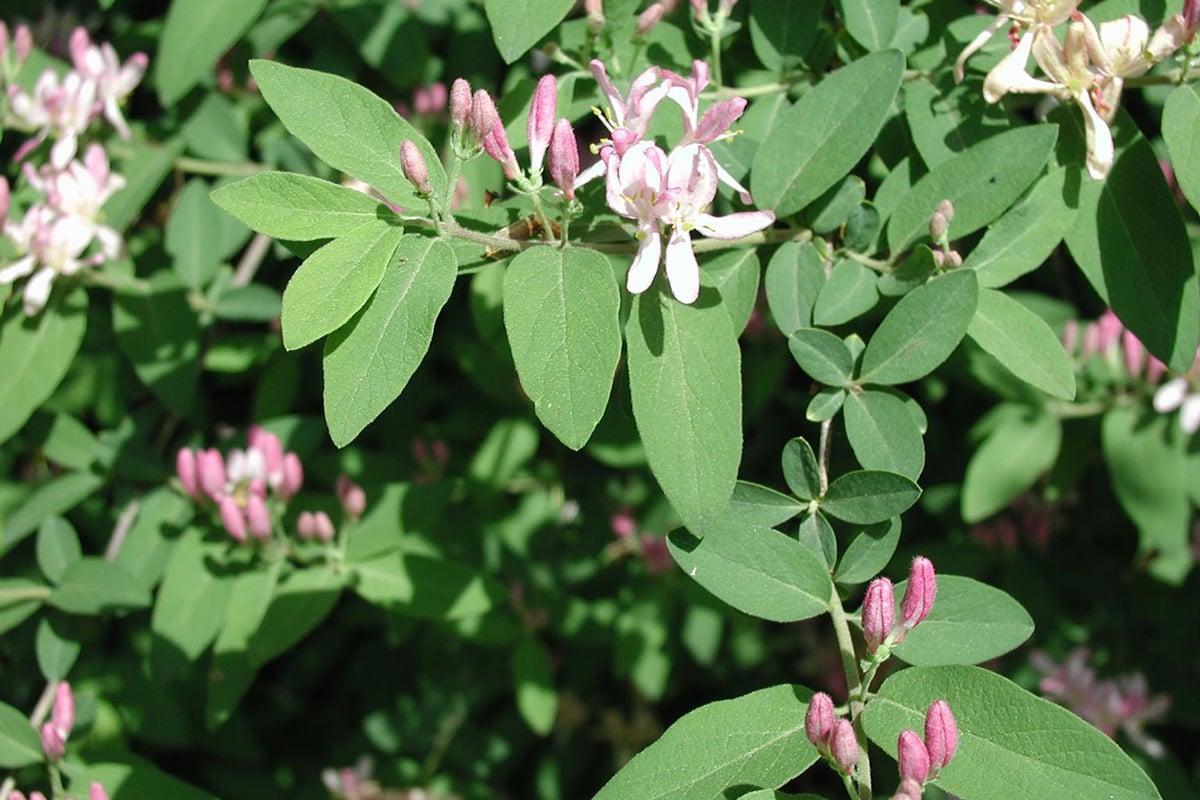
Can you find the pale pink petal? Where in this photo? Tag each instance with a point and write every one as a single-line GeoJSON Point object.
{"type": "Point", "coordinates": [734, 226]}
{"type": "Point", "coordinates": [977, 43]}
{"type": "Point", "coordinates": [1100, 150]}
{"type": "Point", "coordinates": [1170, 395]}
{"type": "Point", "coordinates": [37, 291]}
{"type": "Point", "coordinates": [645, 262]}
{"type": "Point", "coordinates": [683, 273]}
{"type": "Point", "coordinates": [727, 179]}
{"type": "Point", "coordinates": [718, 118]}
{"type": "Point", "coordinates": [1010, 74]}
{"type": "Point", "coordinates": [615, 101]}
{"type": "Point", "coordinates": [64, 150]}
{"type": "Point", "coordinates": [17, 269]}
{"type": "Point", "coordinates": [1189, 414]}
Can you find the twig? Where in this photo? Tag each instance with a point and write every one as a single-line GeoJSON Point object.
{"type": "Point", "coordinates": [251, 259]}
{"type": "Point", "coordinates": [121, 530]}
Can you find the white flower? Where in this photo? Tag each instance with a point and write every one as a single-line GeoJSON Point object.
{"type": "Point", "coordinates": [1179, 394]}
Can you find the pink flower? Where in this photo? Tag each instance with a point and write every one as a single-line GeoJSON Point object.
{"type": "Point", "coordinates": [114, 81]}
{"type": "Point", "coordinates": [351, 496]}
{"type": "Point", "coordinates": [941, 735]}
{"type": "Point", "coordinates": [818, 721]}
{"type": "Point", "coordinates": [540, 126]}
{"type": "Point", "coordinates": [96, 792]}
{"type": "Point", "coordinates": [919, 594]}
{"type": "Point", "coordinates": [843, 745]}
{"type": "Point", "coordinates": [185, 470]}
{"type": "Point", "coordinates": [258, 517]}
{"type": "Point", "coordinates": [232, 517]}
{"type": "Point", "coordinates": [878, 613]}
{"type": "Point", "coordinates": [913, 758]}
{"type": "Point", "coordinates": [564, 158]}
{"type": "Point", "coordinates": [293, 476]}
{"type": "Point", "coordinates": [64, 108]}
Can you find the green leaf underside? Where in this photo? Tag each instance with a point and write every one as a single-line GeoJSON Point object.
{"type": "Point", "coordinates": [756, 740]}
{"type": "Point", "coordinates": [757, 570]}
{"type": "Point", "coordinates": [685, 383]}
{"type": "Point", "coordinates": [561, 310]}
{"type": "Point", "coordinates": [824, 135]}
{"type": "Point", "coordinates": [922, 330]}
{"type": "Point", "coordinates": [970, 623]}
{"type": "Point", "coordinates": [298, 207]}
{"type": "Point", "coordinates": [883, 433]}
{"type": "Point", "coordinates": [1011, 743]}
{"type": "Point", "coordinates": [348, 127]}
{"type": "Point", "coordinates": [1021, 341]}
{"type": "Point", "coordinates": [981, 182]}
{"type": "Point", "coordinates": [517, 25]}
{"type": "Point", "coordinates": [336, 281]}
{"type": "Point", "coordinates": [370, 359]}
{"type": "Point", "coordinates": [869, 496]}
{"type": "Point", "coordinates": [35, 354]}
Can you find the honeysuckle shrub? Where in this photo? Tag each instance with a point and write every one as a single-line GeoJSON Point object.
{"type": "Point", "coordinates": [512, 399]}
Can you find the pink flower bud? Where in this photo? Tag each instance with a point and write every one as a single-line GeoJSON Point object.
{"type": "Point", "coordinates": [483, 114]}
{"type": "Point", "coordinates": [351, 496]}
{"type": "Point", "coordinates": [1133, 353]}
{"type": "Point", "coordinates": [1070, 336]}
{"type": "Point", "coordinates": [1155, 371]}
{"type": "Point", "coordinates": [1191, 17]}
{"type": "Point", "coordinates": [540, 125]}
{"type": "Point", "coordinates": [912, 757]}
{"type": "Point", "coordinates": [210, 473]}
{"type": "Point", "coordinates": [700, 8]}
{"type": "Point", "coordinates": [843, 745]}
{"type": "Point", "coordinates": [4, 196]}
{"type": "Point", "coordinates": [488, 126]}
{"type": "Point", "coordinates": [232, 517]}
{"type": "Point", "coordinates": [413, 164]}
{"type": "Point", "coordinates": [818, 721]}
{"type": "Point", "coordinates": [649, 19]}
{"type": "Point", "coordinates": [909, 790]}
{"type": "Point", "coordinates": [54, 744]}
{"type": "Point", "coordinates": [306, 525]}
{"type": "Point", "coordinates": [23, 43]}
{"type": "Point", "coordinates": [941, 735]}
{"type": "Point", "coordinates": [623, 524]}
{"type": "Point", "coordinates": [258, 517]}
{"type": "Point", "coordinates": [460, 103]}
{"type": "Point", "coordinates": [564, 158]}
{"type": "Point", "coordinates": [939, 226]}
{"type": "Point", "coordinates": [323, 527]}
{"type": "Point", "coordinates": [293, 476]}
{"type": "Point", "coordinates": [78, 46]}
{"type": "Point", "coordinates": [185, 470]}
{"type": "Point", "coordinates": [63, 715]}
{"type": "Point", "coordinates": [271, 448]}
{"type": "Point", "coordinates": [594, 9]}
{"type": "Point", "coordinates": [919, 595]}
{"type": "Point", "coordinates": [97, 792]}
{"type": "Point", "coordinates": [878, 612]}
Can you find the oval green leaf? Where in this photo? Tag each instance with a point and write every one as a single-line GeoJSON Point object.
{"type": "Point", "coordinates": [823, 356]}
{"type": "Point", "coordinates": [869, 496]}
{"type": "Point", "coordinates": [93, 585]}
{"type": "Point", "coordinates": [1021, 341]}
{"type": "Point", "coordinates": [871, 551]}
{"type": "Point", "coordinates": [849, 293]}
{"type": "Point", "coordinates": [1022, 444]}
{"type": "Point", "coordinates": [517, 25]}
{"type": "Point", "coordinates": [1011, 743]}
{"type": "Point", "coordinates": [970, 623]}
{"type": "Point", "coordinates": [794, 276]}
{"type": "Point", "coordinates": [19, 742]}
{"type": "Point", "coordinates": [883, 433]}
{"type": "Point", "coordinates": [761, 505]}
{"type": "Point", "coordinates": [800, 469]}
{"type": "Point", "coordinates": [195, 34]}
{"type": "Point", "coordinates": [298, 208]}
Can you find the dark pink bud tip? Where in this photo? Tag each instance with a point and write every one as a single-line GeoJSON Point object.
{"type": "Point", "coordinates": [941, 735]}
{"type": "Point", "coordinates": [913, 758]}
{"type": "Point", "coordinates": [878, 612]}
{"type": "Point", "coordinates": [843, 745]}
{"type": "Point", "coordinates": [818, 721]}
{"type": "Point", "coordinates": [921, 591]}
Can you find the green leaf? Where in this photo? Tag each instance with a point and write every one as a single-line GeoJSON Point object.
{"type": "Point", "coordinates": [795, 275]}
{"type": "Point", "coordinates": [867, 496]}
{"type": "Point", "coordinates": [970, 623]}
{"type": "Point", "coordinates": [769, 749]}
{"type": "Point", "coordinates": [1180, 120]}
{"type": "Point", "coordinates": [1148, 464]}
{"type": "Point", "coordinates": [817, 535]}
{"type": "Point", "coordinates": [1021, 446]}
{"type": "Point", "coordinates": [56, 496]}
{"type": "Point", "coordinates": [160, 335]}
{"type": "Point", "coordinates": [800, 469]}
{"type": "Point", "coordinates": [849, 293]}
{"type": "Point", "coordinates": [251, 303]}
{"type": "Point", "coordinates": [1130, 241]}
{"type": "Point", "coordinates": [922, 330]}
{"type": "Point", "coordinates": [685, 382]}
{"type": "Point", "coordinates": [19, 599]}
{"type": "Point", "coordinates": [19, 742]}
{"type": "Point", "coordinates": [561, 312]}
{"type": "Point", "coordinates": [823, 356]}
{"type": "Point", "coordinates": [823, 136]}
{"type": "Point", "coordinates": [1011, 743]}
{"type": "Point", "coordinates": [782, 31]}
{"type": "Point", "coordinates": [148, 546]}
{"type": "Point", "coordinates": [517, 25]}
{"type": "Point", "coordinates": [191, 234]}
{"type": "Point", "coordinates": [1021, 341]}
{"type": "Point", "coordinates": [190, 607]}
{"type": "Point", "coordinates": [369, 361]}
{"type": "Point", "coordinates": [883, 433]}
{"type": "Point", "coordinates": [757, 570]}
{"type": "Point", "coordinates": [948, 118]}
{"type": "Point", "coordinates": [831, 210]}
{"type": "Point", "coordinates": [1021, 240]}
{"type": "Point", "coordinates": [135, 779]}
{"type": "Point", "coordinates": [57, 547]}
{"type": "Point", "coordinates": [426, 587]}
{"type": "Point", "coordinates": [195, 34]}
{"type": "Point", "coordinates": [872, 23]}
{"type": "Point", "coordinates": [869, 553]}
{"type": "Point", "coordinates": [92, 585]}
{"type": "Point", "coordinates": [760, 505]}
{"type": "Point", "coordinates": [508, 446]}
{"type": "Point", "coordinates": [735, 275]}
{"type": "Point", "coordinates": [299, 207]}
{"type": "Point", "coordinates": [144, 170]}
{"type": "Point", "coordinates": [981, 182]}
{"type": "Point", "coordinates": [56, 654]}
{"type": "Point", "coordinates": [534, 679]}
{"type": "Point", "coordinates": [825, 404]}
{"type": "Point", "coordinates": [336, 281]}
{"type": "Point", "coordinates": [67, 441]}
{"type": "Point", "coordinates": [348, 127]}
{"type": "Point", "coordinates": [217, 130]}
{"type": "Point", "coordinates": [35, 354]}
{"type": "Point", "coordinates": [232, 671]}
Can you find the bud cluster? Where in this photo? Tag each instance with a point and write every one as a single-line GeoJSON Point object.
{"type": "Point", "coordinates": [833, 736]}
{"type": "Point", "coordinates": [878, 610]}
{"type": "Point", "coordinates": [251, 488]}
{"type": "Point", "coordinates": [57, 730]}
{"type": "Point", "coordinates": [919, 760]}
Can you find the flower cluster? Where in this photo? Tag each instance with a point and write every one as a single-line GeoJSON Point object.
{"type": "Point", "coordinates": [833, 736]}
{"type": "Point", "coordinates": [251, 488]}
{"type": "Point", "coordinates": [652, 548]}
{"type": "Point", "coordinates": [878, 610]}
{"type": "Point", "coordinates": [64, 232]}
{"type": "Point", "coordinates": [1090, 67]}
{"type": "Point", "coordinates": [1123, 704]}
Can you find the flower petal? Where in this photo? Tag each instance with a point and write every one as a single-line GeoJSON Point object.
{"type": "Point", "coordinates": [683, 273]}
{"type": "Point", "coordinates": [734, 226]}
{"type": "Point", "coordinates": [37, 291]}
{"type": "Point", "coordinates": [1100, 150]}
{"type": "Point", "coordinates": [1170, 395]}
{"type": "Point", "coordinates": [645, 263]}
